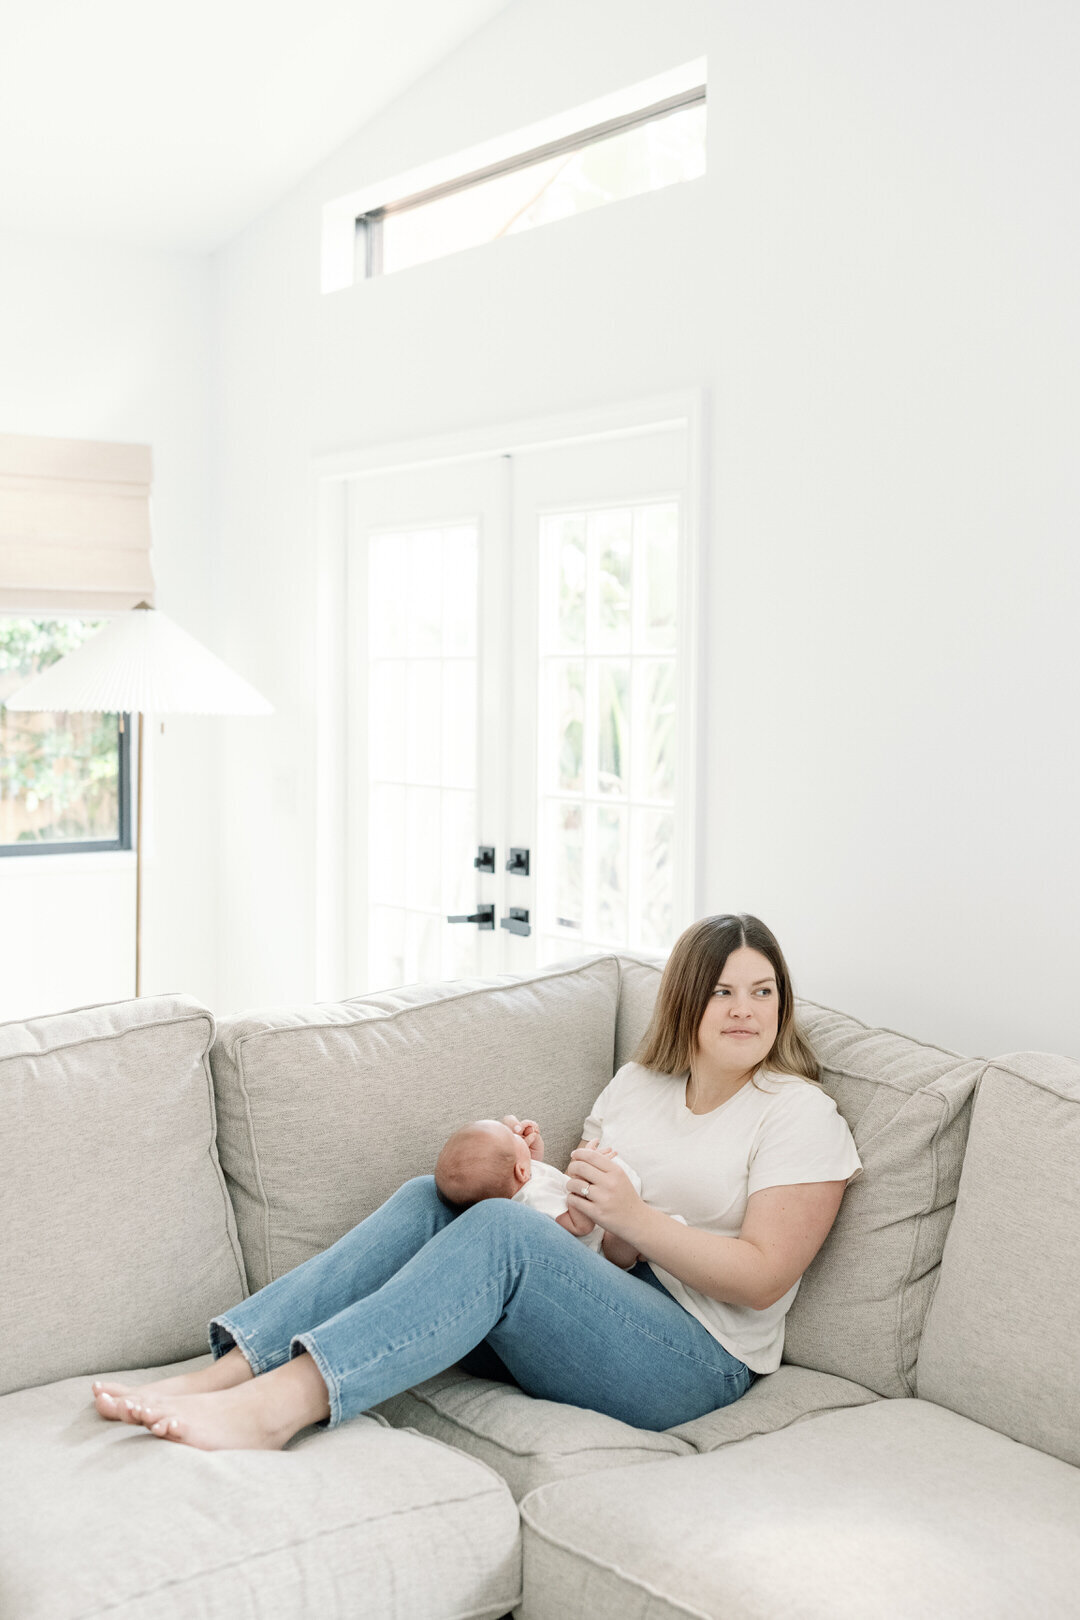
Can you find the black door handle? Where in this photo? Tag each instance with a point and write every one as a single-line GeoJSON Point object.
{"type": "Point", "coordinates": [483, 917]}
{"type": "Point", "coordinates": [517, 922]}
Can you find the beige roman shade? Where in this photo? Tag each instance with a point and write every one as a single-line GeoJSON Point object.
{"type": "Point", "coordinates": [74, 525]}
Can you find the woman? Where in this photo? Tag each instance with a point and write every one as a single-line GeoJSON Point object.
{"type": "Point", "coordinates": [723, 1119]}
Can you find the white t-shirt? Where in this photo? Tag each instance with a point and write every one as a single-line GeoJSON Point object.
{"type": "Point", "coordinates": [707, 1165]}
{"type": "Point", "coordinates": [546, 1191]}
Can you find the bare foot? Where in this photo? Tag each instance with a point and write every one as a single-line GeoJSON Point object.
{"type": "Point", "coordinates": [228, 1420]}
{"type": "Point", "coordinates": [116, 1400]}
{"type": "Point", "coordinates": [261, 1414]}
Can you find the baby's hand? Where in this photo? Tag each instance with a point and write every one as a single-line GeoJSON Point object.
{"type": "Point", "coordinates": [529, 1131]}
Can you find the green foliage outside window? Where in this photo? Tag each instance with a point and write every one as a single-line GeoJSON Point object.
{"type": "Point", "coordinates": [59, 773]}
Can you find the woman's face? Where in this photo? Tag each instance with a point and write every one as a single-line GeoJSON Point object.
{"type": "Point", "coordinates": [740, 1022]}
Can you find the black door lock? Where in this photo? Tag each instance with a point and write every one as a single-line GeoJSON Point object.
{"type": "Point", "coordinates": [485, 858]}
{"type": "Point", "coordinates": [518, 863]}
{"type": "Point", "coordinates": [483, 917]}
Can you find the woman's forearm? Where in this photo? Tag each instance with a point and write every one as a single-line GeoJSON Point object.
{"type": "Point", "coordinates": [727, 1269]}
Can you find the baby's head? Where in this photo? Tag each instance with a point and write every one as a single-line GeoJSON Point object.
{"type": "Point", "coordinates": [483, 1160]}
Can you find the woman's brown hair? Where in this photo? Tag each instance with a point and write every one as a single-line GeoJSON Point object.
{"type": "Point", "coordinates": [693, 968]}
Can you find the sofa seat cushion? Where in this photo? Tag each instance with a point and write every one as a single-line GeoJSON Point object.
{"type": "Point", "coordinates": [899, 1509]}
{"type": "Point", "coordinates": [1002, 1340]}
{"type": "Point", "coordinates": [530, 1442]}
{"type": "Point", "coordinates": [107, 1149]}
{"type": "Point", "coordinates": [99, 1519]}
{"type": "Point", "coordinates": [325, 1111]}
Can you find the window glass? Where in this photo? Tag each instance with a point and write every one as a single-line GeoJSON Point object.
{"type": "Point", "coordinates": [643, 157]}
{"type": "Point", "coordinates": [60, 774]}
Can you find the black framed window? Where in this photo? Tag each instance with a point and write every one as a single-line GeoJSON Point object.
{"type": "Point", "coordinates": [65, 779]}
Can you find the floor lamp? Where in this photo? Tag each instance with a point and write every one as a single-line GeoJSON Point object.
{"type": "Point", "coordinates": [140, 663]}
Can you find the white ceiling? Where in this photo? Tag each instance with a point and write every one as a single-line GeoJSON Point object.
{"type": "Point", "coordinates": [176, 124]}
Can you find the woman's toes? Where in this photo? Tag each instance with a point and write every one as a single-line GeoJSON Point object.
{"type": "Point", "coordinates": [107, 1406]}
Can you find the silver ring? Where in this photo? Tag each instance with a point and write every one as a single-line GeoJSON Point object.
{"type": "Point", "coordinates": [585, 1190]}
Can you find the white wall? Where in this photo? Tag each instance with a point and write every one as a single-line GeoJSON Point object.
{"type": "Point", "coordinates": [107, 343]}
{"type": "Point", "coordinates": [876, 284]}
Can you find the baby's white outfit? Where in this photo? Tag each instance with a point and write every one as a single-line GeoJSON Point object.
{"type": "Point", "coordinates": [546, 1191]}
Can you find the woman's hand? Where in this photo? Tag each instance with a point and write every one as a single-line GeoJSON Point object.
{"type": "Point", "coordinates": [529, 1131]}
{"type": "Point", "coordinates": [611, 1200]}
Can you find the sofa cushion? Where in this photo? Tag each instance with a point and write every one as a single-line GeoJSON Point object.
{"type": "Point", "coordinates": [99, 1519]}
{"type": "Point", "coordinates": [862, 1302]}
{"type": "Point", "coordinates": [526, 1440]}
{"type": "Point", "coordinates": [531, 1442]}
{"type": "Point", "coordinates": [119, 1237]}
{"type": "Point", "coordinates": [1002, 1339]}
{"type": "Point", "coordinates": [897, 1509]}
{"type": "Point", "coordinates": [324, 1111]}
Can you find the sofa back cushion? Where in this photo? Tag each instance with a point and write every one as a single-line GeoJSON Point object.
{"type": "Point", "coordinates": [1002, 1338]}
{"type": "Point", "coordinates": [862, 1302]}
{"type": "Point", "coordinates": [119, 1242]}
{"type": "Point", "coordinates": [324, 1111]}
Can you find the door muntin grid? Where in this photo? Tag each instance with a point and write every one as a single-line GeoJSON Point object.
{"type": "Point", "coordinates": [608, 725]}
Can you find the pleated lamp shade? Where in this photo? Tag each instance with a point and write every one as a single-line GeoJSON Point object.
{"type": "Point", "coordinates": [141, 662]}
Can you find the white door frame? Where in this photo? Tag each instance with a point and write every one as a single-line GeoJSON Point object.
{"type": "Point", "coordinates": [330, 476]}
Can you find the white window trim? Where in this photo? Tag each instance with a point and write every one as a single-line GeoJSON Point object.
{"type": "Point", "coordinates": [341, 214]}
{"type": "Point", "coordinates": [329, 479]}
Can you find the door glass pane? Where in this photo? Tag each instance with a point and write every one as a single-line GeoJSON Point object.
{"type": "Point", "coordinates": [387, 595]}
{"type": "Point", "coordinates": [562, 549]}
{"type": "Point", "coordinates": [459, 722]}
{"type": "Point", "coordinates": [423, 849]}
{"type": "Point", "coordinates": [609, 555]}
{"type": "Point", "coordinates": [386, 719]}
{"type": "Point", "coordinates": [611, 872]}
{"type": "Point", "coordinates": [608, 725]}
{"type": "Point", "coordinates": [459, 593]}
{"type": "Point", "coordinates": [655, 706]}
{"type": "Point", "coordinates": [655, 842]}
{"type": "Point", "coordinates": [386, 947]}
{"type": "Point", "coordinates": [612, 775]}
{"type": "Point", "coordinates": [423, 720]}
{"type": "Point", "coordinates": [386, 841]}
{"type": "Point", "coordinates": [656, 541]}
{"type": "Point", "coordinates": [566, 681]}
{"type": "Point", "coordinates": [567, 852]}
{"type": "Point", "coordinates": [424, 586]}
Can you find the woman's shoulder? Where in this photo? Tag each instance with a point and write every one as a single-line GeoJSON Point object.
{"type": "Point", "coordinates": [635, 1077]}
{"type": "Point", "coordinates": [794, 1091]}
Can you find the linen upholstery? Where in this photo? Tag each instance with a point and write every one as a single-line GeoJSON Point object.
{"type": "Point", "coordinates": [527, 1441]}
{"type": "Point", "coordinates": [1002, 1339]}
{"type": "Point", "coordinates": [99, 1519]}
{"type": "Point", "coordinates": [119, 1237]}
{"type": "Point", "coordinates": [324, 1111]}
{"type": "Point", "coordinates": [532, 1442]}
{"type": "Point", "coordinates": [862, 1303]}
{"type": "Point", "coordinates": [898, 1508]}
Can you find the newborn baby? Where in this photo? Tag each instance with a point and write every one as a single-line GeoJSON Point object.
{"type": "Point", "coordinates": [488, 1160]}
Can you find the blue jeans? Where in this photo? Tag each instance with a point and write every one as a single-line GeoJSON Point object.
{"type": "Point", "coordinates": [419, 1285]}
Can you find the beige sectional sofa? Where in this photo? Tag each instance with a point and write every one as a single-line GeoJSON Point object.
{"type": "Point", "coordinates": [917, 1456]}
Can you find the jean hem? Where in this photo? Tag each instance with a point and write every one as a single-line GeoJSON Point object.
{"type": "Point", "coordinates": [306, 1341]}
{"type": "Point", "coordinates": [222, 1329]}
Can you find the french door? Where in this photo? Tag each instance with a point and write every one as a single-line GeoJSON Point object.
{"type": "Point", "coordinates": [518, 709]}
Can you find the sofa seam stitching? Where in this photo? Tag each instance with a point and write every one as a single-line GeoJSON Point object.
{"type": "Point", "coordinates": [440, 1001]}
{"type": "Point", "coordinates": [219, 1172]}
{"type": "Point", "coordinates": [203, 1013]}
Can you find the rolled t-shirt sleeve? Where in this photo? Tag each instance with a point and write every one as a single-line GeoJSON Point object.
{"type": "Point", "coordinates": [802, 1138]}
